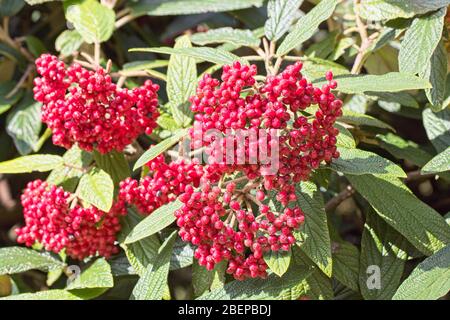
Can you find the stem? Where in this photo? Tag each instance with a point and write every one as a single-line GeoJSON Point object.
{"type": "Point", "coordinates": [97, 50]}
{"type": "Point", "coordinates": [293, 58]}
{"type": "Point", "coordinates": [109, 3]}
{"type": "Point", "coordinates": [123, 12]}
{"type": "Point", "coordinates": [253, 58]}
{"type": "Point", "coordinates": [21, 81]}
{"type": "Point", "coordinates": [88, 58]}
{"type": "Point", "coordinates": [6, 24]}
{"type": "Point", "coordinates": [6, 198]}
{"type": "Point", "coordinates": [85, 64]}
{"type": "Point", "coordinates": [121, 81]}
{"type": "Point", "coordinates": [252, 198]}
{"type": "Point", "coordinates": [4, 36]}
{"type": "Point", "coordinates": [124, 20]}
{"type": "Point", "coordinates": [277, 65]}
{"type": "Point", "coordinates": [418, 176]}
{"type": "Point", "coordinates": [335, 201]}
{"type": "Point", "coordinates": [235, 180]}
{"type": "Point", "coordinates": [108, 66]}
{"type": "Point", "coordinates": [272, 48]}
{"type": "Point", "coordinates": [47, 133]}
{"type": "Point", "coordinates": [366, 41]}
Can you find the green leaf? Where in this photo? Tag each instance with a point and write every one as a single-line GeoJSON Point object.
{"type": "Point", "coordinates": [152, 284]}
{"type": "Point", "coordinates": [389, 82]}
{"type": "Point", "coordinates": [37, 162]}
{"type": "Point", "coordinates": [158, 220]}
{"type": "Point", "coordinates": [68, 175]}
{"type": "Point", "coordinates": [315, 237]}
{"type": "Point", "coordinates": [377, 10]}
{"type": "Point", "coordinates": [317, 286]}
{"type": "Point", "coordinates": [401, 98]}
{"type": "Point", "coordinates": [56, 294]}
{"type": "Point", "coordinates": [420, 41]}
{"type": "Point", "coordinates": [430, 280]}
{"type": "Point", "coordinates": [397, 205]}
{"type": "Point", "coordinates": [164, 145]}
{"type": "Point", "coordinates": [182, 255]}
{"type": "Point", "coordinates": [98, 275]}
{"type": "Point", "coordinates": [24, 125]}
{"type": "Point", "coordinates": [203, 280]}
{"type": "Point", "coordinates": [18, 259]}
{"type": "Point", "coordinates": [144, 65]}
{"type": "Point", "coordinates": [68, 42]}
{"type": "Point", "coordinates": [273, 287]}
{"type": "Point", "coordinates": [7, 103]}
{"type": "Point", "coordinates": [93, 21]}
{"type": "Point", "coordinates": [9, 8]}
{"type": "Point", "coordinates": [113, 163]}
{"type": "Point", "coordinates": [344, 138]}
{"type": "Point", "coordinates": [315, 68]}
{"type": "Point", "coordinates": [97, 189]}
{"type": "Point", "coordinates": [436, 72]}
{"type": "Point", "coordinates": [358, 103]}
{"type": "Point", "coordinates": [140, 253]}
{"type": "Point", "coordinates": [307, 26]}
{"type": "Point", "coordinates": [323, 48]}
{"type": "Point", "coordinates": [346, 264]}
{"type": "Point", "coordinates": [437, 126]}
{"type": "Point", "coordinates": [439, 163]}
{"type": "Point", "coordinates": [236, 37]}
{"type": "Point", "coordinates": [381, 246]}
{"type": "Point", "coordinates": [181, 83]}
{"type": "Point", "coordinates": [359, 119]}
{"type": "Point", "coordinates": [340, 48]}
{"type": "Point", "coordinates": [183, 7]}
{"type": "Point", "coordinates": [166, 122]}
{"type": "Point", "coordinates": [214, 55]}
{"type": "Point", "coordinates": [35, 46]}
{"type": "Point", "coordinates": [281, 15]}
{"type": "Point", "coordinates": [402, 149]}
{"type": "Point", "coordinates": [278, 261]}
{"type": "Point", "coordinates": [358, 162]}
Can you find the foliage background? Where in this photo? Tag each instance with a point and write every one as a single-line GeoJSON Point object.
{"type": "Point", "coordinates": [364, 213]}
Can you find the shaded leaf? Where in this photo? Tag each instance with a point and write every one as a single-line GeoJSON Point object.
{"type": "Point", "coordinates": [307, 26]}
{"type": "Point", "coordinates": [152, 284]}
{"type": "Point", "coordinates": [158, 220]}
{"type": "Point", "coordinates": [430, 280]}
{"type": "Point", "coordinates": [397, 205]}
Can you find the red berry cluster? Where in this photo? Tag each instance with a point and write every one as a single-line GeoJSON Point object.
{"type": "Point", "coordinates": [165, 182]}
{"type": "Point", "coordinates": [50, 221]}
{"type": "Point", "coordinates": [85, 107]}
{"type": "Point", "coordinates": [304, 142]}
{"type": "Point", "coordinates": [212, 219]}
